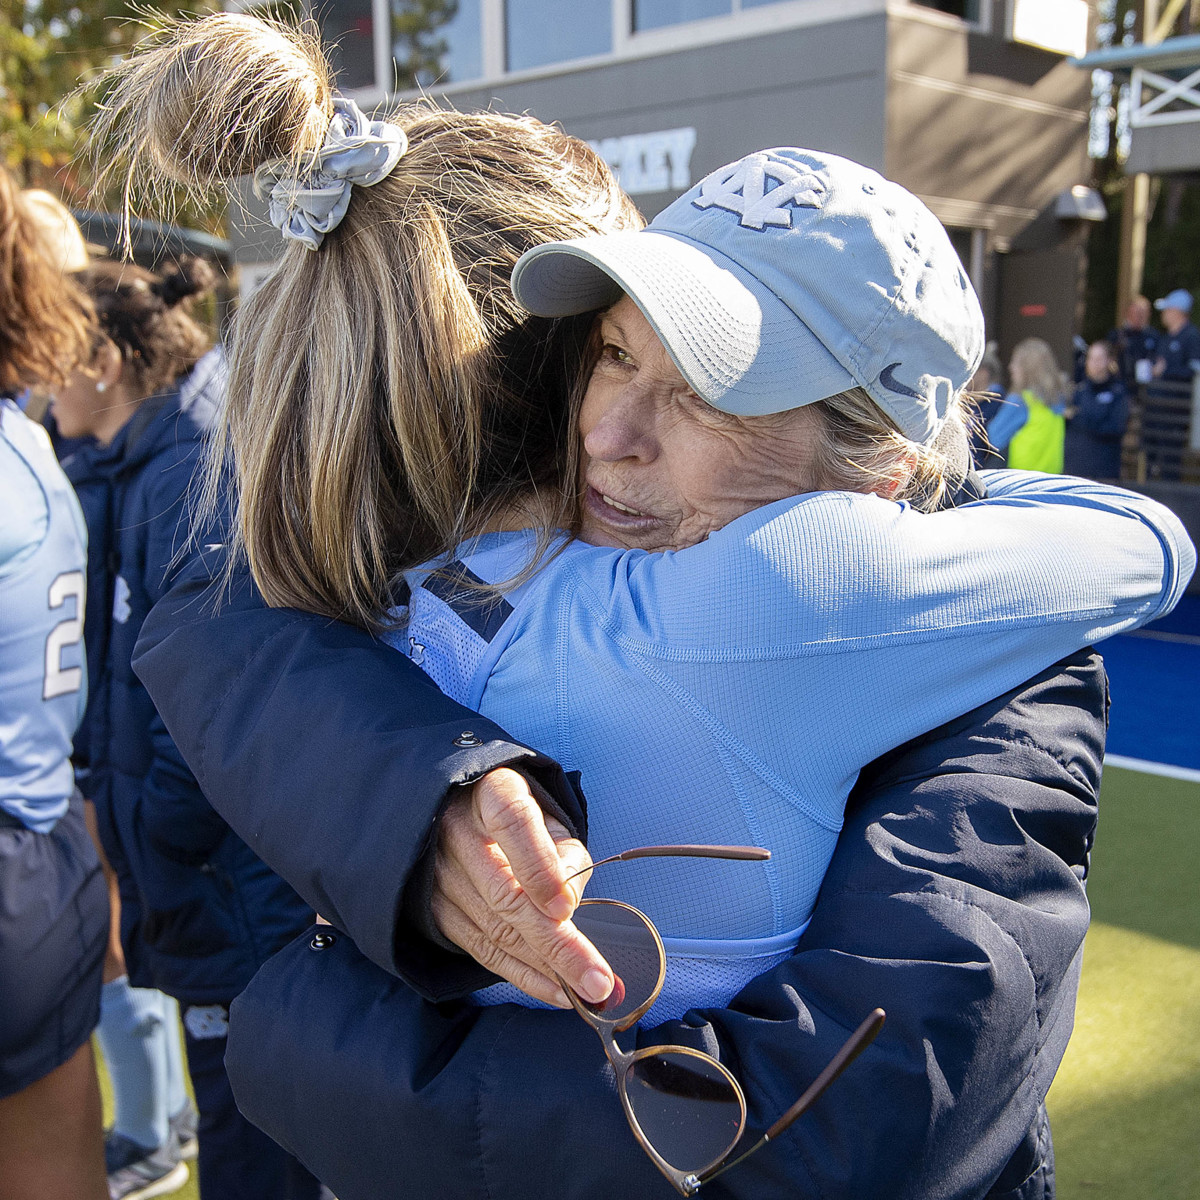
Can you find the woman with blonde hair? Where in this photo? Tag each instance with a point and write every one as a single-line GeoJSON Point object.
{"type": "Point", "coordinates": [1031, 425]}
{"type": "Point", "coordinates": [727, 412]}
{"type": "Point", "coordinates": [416, 398]}
{"type": "Point", "coordinates": [53, 901]}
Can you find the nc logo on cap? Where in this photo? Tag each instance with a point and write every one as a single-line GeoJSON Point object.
{"type": "Point", "coordinates": [742, 189]}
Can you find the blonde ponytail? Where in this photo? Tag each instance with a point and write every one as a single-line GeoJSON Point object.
{"type": "Point", "coordinates": [388, 396]}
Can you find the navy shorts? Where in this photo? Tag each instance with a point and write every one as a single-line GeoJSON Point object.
{"type": "Point", "coordinates": [53, 932]}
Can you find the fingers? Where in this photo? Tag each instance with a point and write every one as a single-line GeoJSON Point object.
{"type": "Point", "coordinates": [466, 934]}
{"type": "Point", "coordinates": [481, 906]}
{"type": "Point", "coordinates": [574, 859]}
{"type": "Point", "coordinates": [514, 820]}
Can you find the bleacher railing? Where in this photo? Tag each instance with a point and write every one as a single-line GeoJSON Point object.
{"type": "Point", "coordinates": [1163, 437]}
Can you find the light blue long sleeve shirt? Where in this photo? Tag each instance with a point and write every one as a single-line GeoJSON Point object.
{"type": "Point", "coordinates": [731, 692]}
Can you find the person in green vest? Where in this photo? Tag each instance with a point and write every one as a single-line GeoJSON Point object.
{"type": "Point", "coordinates": [1039, 390]}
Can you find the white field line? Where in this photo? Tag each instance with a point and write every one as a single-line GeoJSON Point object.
{"type": "Point", "coordinates": [1185, 639]}
{"type": "Point", "coordinates": [1152, 768]}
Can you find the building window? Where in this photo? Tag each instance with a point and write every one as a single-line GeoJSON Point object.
{"type": "Point", "coordinates": [969, 10]}
{"type": "Point", "coordinates": [348, 33]}
{"type": "Point", "coordinates": [654, 14]}
{"type": "Point", "coordinates": [539, 32]}
{"type": "Point", "coordinates": [436, 42]}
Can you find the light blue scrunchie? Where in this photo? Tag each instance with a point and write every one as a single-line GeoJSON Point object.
{"type": "Point", "coordinates": [357, 150]}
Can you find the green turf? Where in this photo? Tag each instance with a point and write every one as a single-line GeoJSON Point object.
{"type": "Point", "coordinates": [1126, 1104]}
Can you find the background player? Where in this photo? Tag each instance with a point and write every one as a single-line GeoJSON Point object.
{"type": "Point", "coordinates": [53, 902]}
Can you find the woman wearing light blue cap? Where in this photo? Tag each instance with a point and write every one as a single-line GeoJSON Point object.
{"type": "Point", "coordinates": [810, 618]}
{"type": "Point", "coordinates": [794, 323]}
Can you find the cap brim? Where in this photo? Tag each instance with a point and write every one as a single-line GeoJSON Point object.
{"type": "Point", "coordinates": [735, 342]}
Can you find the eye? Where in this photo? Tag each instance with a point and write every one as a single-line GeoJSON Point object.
{"type": "Point", "coordinates": [613, 354]}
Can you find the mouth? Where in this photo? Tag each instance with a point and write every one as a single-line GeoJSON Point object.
{"type": "Point", "coordinates": [603, 507]}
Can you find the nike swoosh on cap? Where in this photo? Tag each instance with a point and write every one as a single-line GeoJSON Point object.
{"type": "Point", "coordinates": [889, 381]}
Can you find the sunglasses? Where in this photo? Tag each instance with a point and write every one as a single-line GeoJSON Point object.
{"type": "Point", "coordinates": [686, 1110]}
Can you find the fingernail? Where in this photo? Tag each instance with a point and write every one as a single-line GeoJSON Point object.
{"type": "Point", "coordinates": [560, 908]}
{"type": "Point", "coordinates": [596, 986]}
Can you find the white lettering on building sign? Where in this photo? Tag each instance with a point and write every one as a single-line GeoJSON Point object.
{"type": "Point", "coordinates": [650, 162]}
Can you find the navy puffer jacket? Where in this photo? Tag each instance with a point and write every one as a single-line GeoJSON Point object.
{"type": "Point", "coordinates": [199, 911]}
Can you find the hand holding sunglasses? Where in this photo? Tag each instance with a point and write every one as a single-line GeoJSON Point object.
{"type": "Point", "coordinates": [685, 1108]}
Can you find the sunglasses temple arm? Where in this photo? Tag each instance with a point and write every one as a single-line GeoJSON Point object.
{"type": "Point", "coordinates": [739, 853]}
{"type": "Point", "coordinates": [854, 1045]}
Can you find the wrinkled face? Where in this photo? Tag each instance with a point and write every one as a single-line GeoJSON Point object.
{"type": "Point", "coordinates": [662, 468]}
{"type": "Point", "coordinates": [1098, 362]}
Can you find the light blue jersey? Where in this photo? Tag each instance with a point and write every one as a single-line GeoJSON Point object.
{"type": "Point", "coordinates": [731, 692]}
{"type": "Point", "coordinates": [43, 558]}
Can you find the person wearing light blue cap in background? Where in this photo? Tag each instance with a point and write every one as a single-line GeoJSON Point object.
{"type": "Point", "coordinates": [1180, 359]}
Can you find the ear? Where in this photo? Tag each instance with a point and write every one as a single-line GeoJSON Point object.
{"type": "Point", "coordinates": [894, 479]}
{"type": "Point", "coordinates": [107, 363]}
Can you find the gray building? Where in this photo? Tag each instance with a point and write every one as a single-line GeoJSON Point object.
{"type": "Point", "coordinates": [972, 105]}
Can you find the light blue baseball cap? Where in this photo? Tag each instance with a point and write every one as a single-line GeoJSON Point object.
{"type": "Point", "coordinates": [783, 279]}
{"type": "Point", "coordinates": [1180, 298]}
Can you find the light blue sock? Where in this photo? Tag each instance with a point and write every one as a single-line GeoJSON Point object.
{"type": "Point", "coordinates": [177, 1095]}
{"type": "Point", "coordinates": [132, 1035]}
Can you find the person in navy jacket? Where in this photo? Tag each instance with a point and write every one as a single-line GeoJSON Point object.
{"type": "Point", "coordinates": [1135, 343]}
{"type": "Point", "coordinates": [200, 912]}
{"type": "Point", "coordinates": [1179, 347]}
{"type": "Point", "coordinates": [955, 900]}
{"type": "Point", "coordinates": [1096, 419]}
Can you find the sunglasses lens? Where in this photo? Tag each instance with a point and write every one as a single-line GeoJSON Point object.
{"type": "Point", "coordinates": [687, 1108]}
{"type": "Point", "coordinates": [628, 943]}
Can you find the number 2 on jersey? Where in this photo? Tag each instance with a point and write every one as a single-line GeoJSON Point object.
{"type": "Point", "coordinates": [60, 680]}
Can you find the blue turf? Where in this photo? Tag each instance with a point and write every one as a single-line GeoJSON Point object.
{"type": "Point", "coordinates": [1156, 690]}
{"type": "Point", "coordinates": [1185, 618]}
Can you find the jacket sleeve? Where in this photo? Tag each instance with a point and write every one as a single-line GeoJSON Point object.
{"type": "Point", "coordinates": [256, 697]}
{"type": "Point", "coordinates": [954, 900]}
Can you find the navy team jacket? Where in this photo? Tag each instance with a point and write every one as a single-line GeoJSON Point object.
{"type": "Point", "coordinates": [199, 912]}
{"type": "Point", "coordinates": [955, 901]}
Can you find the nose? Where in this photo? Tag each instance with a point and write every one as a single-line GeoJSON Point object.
{"type": "Point", "coordinates": [621, 425]}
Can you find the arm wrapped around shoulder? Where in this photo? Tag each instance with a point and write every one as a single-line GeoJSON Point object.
{"type": "Point", "coordinates": [255, 697]}
{"type": "Point", "coordinates": [955, 901]}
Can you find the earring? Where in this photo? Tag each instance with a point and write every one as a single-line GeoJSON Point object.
{"type": "Point", "coordinates": [101, 386]}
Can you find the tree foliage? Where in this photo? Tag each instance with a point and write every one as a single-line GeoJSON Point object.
{"type": "Point", "coordinates": [416, 47]}
{"type": "Point", "coordinates": [47, 49]}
